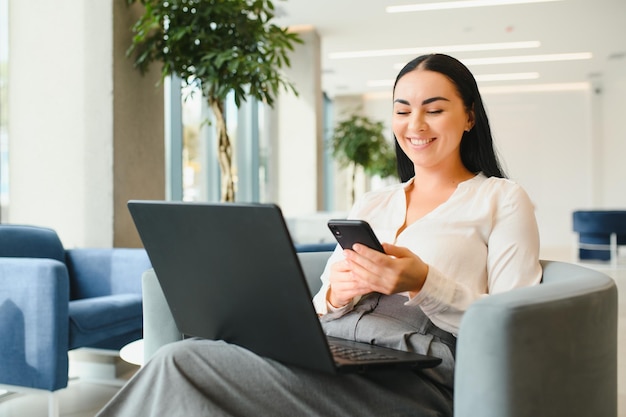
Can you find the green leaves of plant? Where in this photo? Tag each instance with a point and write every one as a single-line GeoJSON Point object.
{"type": "Point", "coordinates": [219, 45]}
{"type": "Point", "coordinates": [360, 141]}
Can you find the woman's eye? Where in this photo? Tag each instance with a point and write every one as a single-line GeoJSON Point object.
{"type": "Point", "coordinates": [435, 111]}
{"type": "Point", "coordinates": [402, 112]}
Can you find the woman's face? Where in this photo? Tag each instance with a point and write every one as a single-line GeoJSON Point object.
{"type": "Point", "coordinates": [429, 119]}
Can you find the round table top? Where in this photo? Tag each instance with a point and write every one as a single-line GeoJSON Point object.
{"type": "Point", "coordinates": [133, 352]}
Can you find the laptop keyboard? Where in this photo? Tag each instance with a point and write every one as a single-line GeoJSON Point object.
{"type": "Point", "coordinates": [356, 354]}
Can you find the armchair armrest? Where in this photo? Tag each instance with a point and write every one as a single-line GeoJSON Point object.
{"type": "Point", "coordinates": [100, 272]}
{"type": "Point", "coordinates": [34, 294]}
{"type": "Point", "coordinates": [548, 350]}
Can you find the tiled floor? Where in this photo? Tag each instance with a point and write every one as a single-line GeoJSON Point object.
{"type": "Point", "coordinates": [85, 396]}
{"type": "Point", "coordinates": [79, 399]}
{"type": "Point", "coordinates": [95, 378]}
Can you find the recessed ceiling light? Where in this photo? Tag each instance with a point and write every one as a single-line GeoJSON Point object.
{"type": "Point", "coordinates": [446, 5]}
{"type": "Point", "coordinates": [432, 49]}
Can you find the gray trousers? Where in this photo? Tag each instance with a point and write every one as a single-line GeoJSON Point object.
{"type": "Point", "coordinates": [212, 378]}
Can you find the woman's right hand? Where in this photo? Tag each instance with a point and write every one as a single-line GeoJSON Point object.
{"type": "Point", "coordinates": [343, 286]}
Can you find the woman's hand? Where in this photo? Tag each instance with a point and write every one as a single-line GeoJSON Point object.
{"type": "Point", "coordinates": [343, 285]}
{"type": "Point", "coordinates": [395, 271]}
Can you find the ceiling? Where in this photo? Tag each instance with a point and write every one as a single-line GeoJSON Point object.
{"type": "Point", "coordinates": [562, 26]}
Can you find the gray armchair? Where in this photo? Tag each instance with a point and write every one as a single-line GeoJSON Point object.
{"type": "Point", "coordinates": [545, 351]}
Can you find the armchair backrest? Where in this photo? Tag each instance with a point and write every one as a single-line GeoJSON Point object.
{"type": "Point", "coordinates": [104, 271]}
{"type": "Point", "coordinates": [313, 264]}
{"type": "Point", "coordinates": [17, 241]}
{"type": "Point", "coordinates": [599, 221]}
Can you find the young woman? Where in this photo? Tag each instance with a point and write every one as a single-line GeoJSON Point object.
{"type": "Point", "coordinates": [456, 231]}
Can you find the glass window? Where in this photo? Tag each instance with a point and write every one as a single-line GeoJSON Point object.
{"type": "Point", "coordinates": [250, 129]}
{"type": "Point", "coordinates": [264, 169]}
{"type": "Point", "coordinates": [194, 148]}
{"type": "Point", "coordinates": [200, 168]}
{"type": "Point", "coordinates": [4, 134]}
{"type": "Point", "coordinates": [327, 161]}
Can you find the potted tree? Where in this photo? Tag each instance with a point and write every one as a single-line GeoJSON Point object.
{"type": "Point", "coordinates": [358, 141]}
{"type": "Point", "coordinates": [217, 46]}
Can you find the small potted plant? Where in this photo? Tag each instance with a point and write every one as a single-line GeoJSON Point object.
{"type": "Point", "coordinates": [359, 141]}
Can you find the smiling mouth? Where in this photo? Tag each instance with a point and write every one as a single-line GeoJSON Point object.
{"type": "Point", "coordinates": [420, 142]}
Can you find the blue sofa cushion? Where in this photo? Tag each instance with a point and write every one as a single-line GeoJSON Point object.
{"type": "Point", "coordinates": [594, 239]}
{"type": "Point", "coordinates": [315, 247]}
{"type": "Point", "coordinates": [595, 227]}
{"type": "Point", "coordinates": [97, 319]}
{"type": "Point", "coordinates": [17, 241]}
{"type": "Point", "coordinates": [98, 272]}
{"type": "Point", "coordinates": [600, 221]}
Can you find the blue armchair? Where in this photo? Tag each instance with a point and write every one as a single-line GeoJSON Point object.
{"type": "Point", "coordinates": [53, 300]}
{"type": "Point", "coordinates": [600, 232]}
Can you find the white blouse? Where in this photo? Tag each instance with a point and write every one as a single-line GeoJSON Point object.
{"type": "Point", "coordinates": [483, 240]}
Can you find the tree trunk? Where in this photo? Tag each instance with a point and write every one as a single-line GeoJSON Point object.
{"type": "Point", "coordinates": [225, 152]}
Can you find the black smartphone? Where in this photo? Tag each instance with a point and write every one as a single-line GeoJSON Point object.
{"type": "Point", "coordinates": [349, 232]}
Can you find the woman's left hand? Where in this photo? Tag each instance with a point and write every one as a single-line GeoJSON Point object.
{"type": "Point", "coordinates": [395, 271]}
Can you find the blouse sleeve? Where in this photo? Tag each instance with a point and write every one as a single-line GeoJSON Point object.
{"type": "Point", "coordinates": [513, 256]}
{"type": "Point", "coordinates": [512, 262]}
{"type": "Point", "coordinates": [322, 307]}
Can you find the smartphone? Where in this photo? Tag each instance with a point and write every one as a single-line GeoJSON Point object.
{"type": "Point", "coordinates": [349, 232]}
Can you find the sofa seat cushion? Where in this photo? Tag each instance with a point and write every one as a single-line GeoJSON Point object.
{"type": "Point", "coordinates": [94, 320]}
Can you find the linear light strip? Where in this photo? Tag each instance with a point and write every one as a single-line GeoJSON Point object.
{"type": "Point", "coordinates": [431, 49]}
{"type": "Point", "coordinates": [528, 58]}
{"type": "Point", "coordinates": [447, 5]}
{"type": "Point", "coordinates": [516, 76]}
{"type": "Point", "coordinates": [508, 89]}
{"type": "Point", "coordinates": [518, 59]}
{"type": "Point", "coordinates": [535, 88]}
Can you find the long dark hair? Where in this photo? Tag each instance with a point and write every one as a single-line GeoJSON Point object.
{"type": "Point", "coordinates": [477, 150]}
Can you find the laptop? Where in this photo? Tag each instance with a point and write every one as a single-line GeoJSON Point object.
{"type": "Point", "coordinates": [230, 272]}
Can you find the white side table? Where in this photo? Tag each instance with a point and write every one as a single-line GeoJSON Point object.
{"type": "Point", "coordinates": [133, 352]}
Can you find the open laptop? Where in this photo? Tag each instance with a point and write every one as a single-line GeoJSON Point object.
{"type": "Point", "coordinates": [230, 272]}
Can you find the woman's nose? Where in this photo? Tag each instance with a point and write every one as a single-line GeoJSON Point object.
{"type": "Point", "coordinates": [417, 122]}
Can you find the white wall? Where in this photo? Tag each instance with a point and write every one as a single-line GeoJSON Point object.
{"type": "Point", "coordinates": [60, 112]}
{"type": "Point", "coordinates": [297, 149]}
{"type": "Point", "coordinates": [544, 142]}
{"type": "Point", "coordinates": [612, 164]}
{"type": "Point", "coordinates": [75, 158]}
{"type": "Point", "coordinates": [566, 148]}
